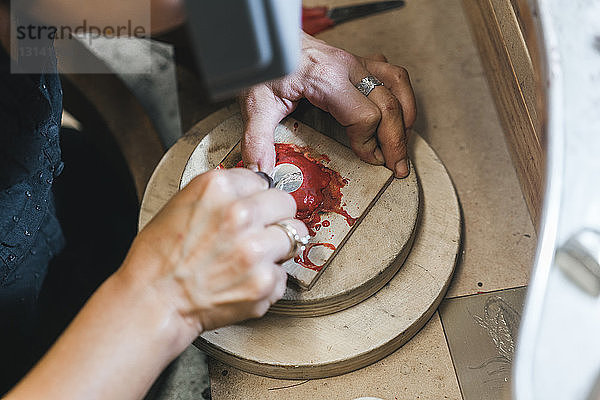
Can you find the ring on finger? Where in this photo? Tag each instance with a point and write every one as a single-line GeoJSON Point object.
{"type": "Point", "coordinates": [297, 242]}
{"type": "Point", "coordinates": [367, 84]}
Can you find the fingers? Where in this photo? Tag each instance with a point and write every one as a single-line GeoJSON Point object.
{"type": "Point", "coordinates": [235, 312]}
{"type": "Point", "coordinates": [261, 282]}
{"type": "Point", "coordinates": [269, 244]}
{"type": "Point", "coordinates": [258, 283]}
{"type": "Point", "coordinates": [242, 310]}
{"type": "Point", "coordinates": [354, 111]}
{"type": "Point", "coordinates": [280, 286]}
{"type": "Point", "coordinates": [396, 79]}
{"type": "Point", "coordinates": [261, 112]}
{"type": "Point", "coordinates": [390, 132]}
{"type": "Point", "coordinates": [374, 124]}
{"type": "Point", "coordinates": [277, 240]}
{"type": "Point", "coordinates": [218, 186]}
{"type": "Point", "coordinates": [376, 57]}
{"type": "Point", "coordinates": [361, 134]}
{"type": "Point", "coordinates": [260, 209]}
{"type": "Point", "coordinates": [264, 283]}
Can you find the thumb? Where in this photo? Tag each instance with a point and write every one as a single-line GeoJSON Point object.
{"type": "Point", "coordinates": [261, 112]}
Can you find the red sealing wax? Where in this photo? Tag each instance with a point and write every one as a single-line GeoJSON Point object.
{"type": "Point", "coordinates": [319, 193]}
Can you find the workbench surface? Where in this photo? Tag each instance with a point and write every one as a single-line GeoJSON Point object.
{"type": "Point", "coordinates": [457, 354]}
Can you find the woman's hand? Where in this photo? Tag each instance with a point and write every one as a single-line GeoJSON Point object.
{"type": "Point", "coordinates": [208, 259]}
{"type": "Point", "coordinates": [376, 125]}
{"type": "Point", "coordinates": [212, 251]}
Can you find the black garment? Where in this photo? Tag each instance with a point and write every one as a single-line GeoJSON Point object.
{"type": "Point", "coordinates": [44, 280]}
{"type": "Point", "coordinates": [30, 235]}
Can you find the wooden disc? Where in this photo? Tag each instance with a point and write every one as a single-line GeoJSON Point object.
{"type": "Point", "coordinates": [292, 347]}
{"type": "Point", "coordinates": [371, 254]}
{"type": "Point", "coordinates": [288, 347]}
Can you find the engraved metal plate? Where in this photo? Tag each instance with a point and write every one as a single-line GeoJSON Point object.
{"type": "Point", "coordinates": [482, 331]}
{"type": "Point", "coordinates": [287, 177]}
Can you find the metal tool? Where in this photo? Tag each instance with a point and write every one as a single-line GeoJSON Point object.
{"type": "Point", "coordinates": [267, 178]}
{"type": "Point", "coordinates": [318, 19]}
{"type": "Point", "coordinates": [239, 43]}
{"type": "Point", "coordinates": [286, 177]}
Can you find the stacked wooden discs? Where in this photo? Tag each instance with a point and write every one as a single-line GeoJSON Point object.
{"type": "Point", "coordinates": [372, 252]}
{"type": "Point", "coordinates": [378, 290]}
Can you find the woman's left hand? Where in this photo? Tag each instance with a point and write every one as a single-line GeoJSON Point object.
{"type": "Point", "coordinates": [376, 125]}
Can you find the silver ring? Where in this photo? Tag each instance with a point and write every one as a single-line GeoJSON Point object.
{"type": "Point", "coordinates": [297, 243]}
{"type": "Point", "coordinates": [367, 84]}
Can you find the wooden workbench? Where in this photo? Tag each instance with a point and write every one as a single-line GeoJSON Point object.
{"type": "Point", "coordinates": [458, 118]}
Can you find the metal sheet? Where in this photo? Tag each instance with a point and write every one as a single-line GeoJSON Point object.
{"type": "Point", "coordinates": [482, 331]}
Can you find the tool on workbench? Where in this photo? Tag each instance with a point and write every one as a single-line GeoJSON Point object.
{"type": "Point", "coordinates": [318, 19]}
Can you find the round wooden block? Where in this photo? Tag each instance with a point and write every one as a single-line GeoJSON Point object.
{"type": "Point", "coordinates": [288, 347]}
{"type": "Point", "coordinates": [371, 255]}
{"type": "Point", "coordinates": [292, 347]}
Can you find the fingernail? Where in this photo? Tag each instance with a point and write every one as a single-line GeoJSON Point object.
{"type": "Point", "coordinates": [401, 169]}
{"type": "Point", "coordinates": [252, 167]}
{"type": "Point", "coordinates": [379, 156]}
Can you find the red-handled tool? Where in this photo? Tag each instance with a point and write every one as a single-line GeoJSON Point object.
{"type": "Point", "coordinates": [318, 19]}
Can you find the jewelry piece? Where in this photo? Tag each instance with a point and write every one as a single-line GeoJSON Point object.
{"type": "Point", "coordinates": [297, 243]}
{"type": "Point", "coordinates": [287, 177]}
{"type": "Point", "coordinates": [367, 84]}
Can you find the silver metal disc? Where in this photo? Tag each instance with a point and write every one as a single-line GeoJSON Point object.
{"type": "Point", "coordinates": [287, 177]}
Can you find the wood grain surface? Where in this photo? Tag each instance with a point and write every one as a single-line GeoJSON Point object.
{"type": "Point", "coordinates": [509, 55]}
{"type": "Point", "coordinates": [289, 347]}
{"type": "Point", "coordinates": [387, 229]}
{"type": "Point", "coordinates": [299, 348]}
{"type": "Point", "coordinates": [365, 183]}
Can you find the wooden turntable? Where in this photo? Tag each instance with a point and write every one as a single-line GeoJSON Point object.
{"type": "Point", "coordinates": [381, 279]}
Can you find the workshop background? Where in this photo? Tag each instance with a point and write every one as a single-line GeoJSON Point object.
{"type": "Point", "coordinates": [466, 350]}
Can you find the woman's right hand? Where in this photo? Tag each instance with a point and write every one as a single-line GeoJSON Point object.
{"type": "Point", "coordinates": [212, 252]}
{"type": "Point", "coordinates": [207, 259]}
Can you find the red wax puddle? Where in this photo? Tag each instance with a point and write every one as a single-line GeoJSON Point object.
{"type": "Point", "coordinates": [305, 261]}
{"type": "Point", "coordinates": [321, 189]}
{"type": "Point", "coordinates": [319, 193]}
